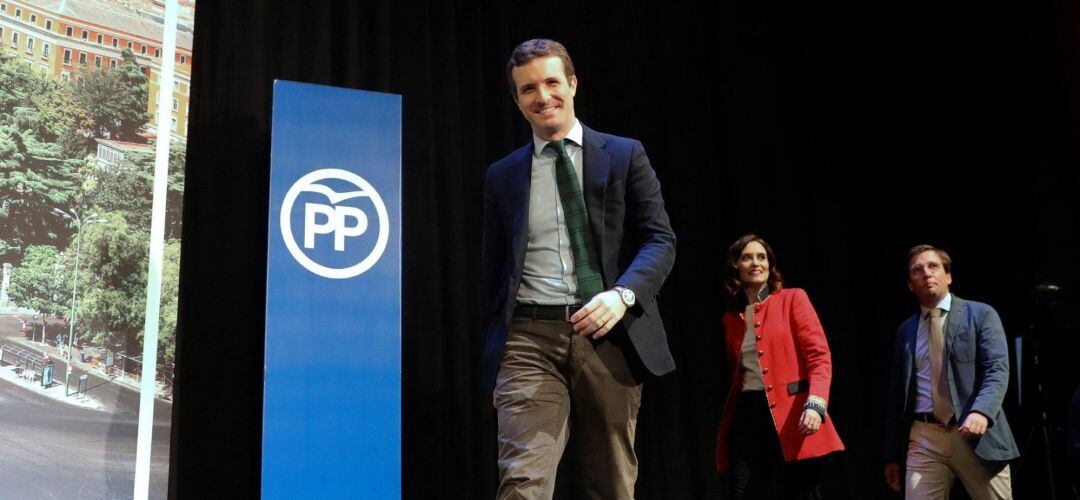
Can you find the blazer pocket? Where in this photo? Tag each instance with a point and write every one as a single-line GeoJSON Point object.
{"type": "Point", "coordinates": [963, 348]}
{"type": "Point", "coordinates": [797, 387]}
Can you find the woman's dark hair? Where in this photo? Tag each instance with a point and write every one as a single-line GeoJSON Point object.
{"type": "Point", "coordinates": [736, 298]}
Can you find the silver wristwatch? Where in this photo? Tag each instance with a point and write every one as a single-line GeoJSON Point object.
{"type": "Point", "coordinates": [627, 295]}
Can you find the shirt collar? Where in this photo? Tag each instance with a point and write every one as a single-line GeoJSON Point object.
{"type": "Point", "coordinates": [574, 136]}
{"type": "Point", "coordinates": [944, 305]}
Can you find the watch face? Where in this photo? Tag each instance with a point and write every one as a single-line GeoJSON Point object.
{"type": "Point", "coordinates": [628, 296]}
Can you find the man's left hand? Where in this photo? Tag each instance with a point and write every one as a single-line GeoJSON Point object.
{"type": "Point", "coordinates": [974, 425]}
{"type": "Point", "coordinates": [600, 315]}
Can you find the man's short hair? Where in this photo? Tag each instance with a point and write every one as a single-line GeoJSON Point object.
{"type": "Point", "coordinates": [533, 49]}
{"type": "Point", "coordinates": [946, 261]}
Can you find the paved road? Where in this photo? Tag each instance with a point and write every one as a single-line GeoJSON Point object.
{"type": "Point", "coordinates": [50, 449]}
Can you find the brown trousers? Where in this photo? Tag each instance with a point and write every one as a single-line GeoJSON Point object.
{"type": "Point", "coordinates": [550, 380]}
{"type": "Point", "coordinates": [937, 454]}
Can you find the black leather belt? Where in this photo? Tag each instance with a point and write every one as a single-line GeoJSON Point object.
{"type": "Point", "coordinates": [928, 418]}
{"type": "Point", "coordinates": [550, 313]}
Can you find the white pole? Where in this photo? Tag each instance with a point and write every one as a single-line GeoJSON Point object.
{"type": "Point", "coordinates": [157, 242]}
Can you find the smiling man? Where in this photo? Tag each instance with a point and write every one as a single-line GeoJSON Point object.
{"type": "Point", "coordinates": [949, 374]}
{"type": "Point", "coordinates": [576, 244]}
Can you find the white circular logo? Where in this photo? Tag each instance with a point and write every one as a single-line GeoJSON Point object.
{"type": "Point", "coordinates": [337, 219]}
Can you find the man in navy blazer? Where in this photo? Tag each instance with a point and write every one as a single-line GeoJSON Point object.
{"type": "Point", "coordinates": [944, 402]}
{"type": "Point", "coordinates": [553, 351]}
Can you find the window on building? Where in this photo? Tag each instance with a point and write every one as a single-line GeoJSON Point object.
{"type": "Point", "coordinates": [82, 58]}
{"type": "Point", "coordinates": [112, 63]}
{"type": "Point", "coordinates": [174, 128]}
{"type": "Point", "coordinates": [18, 13]}
{"type": "Point", "coordinates": [3, 7]}
{"type": "Point", "coordinates": [29, 44]}
{"type": "Point", "coordinates": [157, 52]}
{"type": "Point", "coordinates": [67, 56]}
{"type": "Point", "coordinates": [85, 34]}
{"type": "Point", "coordinates": [175, 105]}
{"type": "Point", "coordinates": [100, 39]}
{"type": "Point", "coordinates": [183, 59]}
{"type": "Point", "coordinates": [14, 38]}
{"type": "Point", "coordinates": [97, 62]}
{"type": "Point", "coordinates": [33, 18]}
{"type": "Point", "coordinates": [130, 46]}
{"type": "Point", "coordinates": [48, 24]}
{"type": "Point", "coordinates": [44, 51]}
{"type": "Point", "coordinates": [115, 42]}
{"type": "Point", "coordinates": [65, 76]}
{"type": "Point", "coordinates": [142, 49]}
{"type": "Point", "coordinates": [70, 31]}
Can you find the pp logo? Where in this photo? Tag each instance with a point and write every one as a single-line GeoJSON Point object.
{"type": "Point", "coordinates": [346, 223]}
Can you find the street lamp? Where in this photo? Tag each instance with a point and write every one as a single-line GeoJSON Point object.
{"type": "Point", "coordinates": [73, 216]}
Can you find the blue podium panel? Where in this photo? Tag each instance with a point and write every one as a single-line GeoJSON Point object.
{"type": "Point", "coordinates": [332, 395]}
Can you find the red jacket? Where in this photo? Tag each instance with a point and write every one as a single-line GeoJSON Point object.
{"type": "Point", "coordinates": [792, 349]}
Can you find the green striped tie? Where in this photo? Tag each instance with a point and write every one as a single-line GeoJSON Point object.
{"type": "Point", "coordinates": [586, 265]}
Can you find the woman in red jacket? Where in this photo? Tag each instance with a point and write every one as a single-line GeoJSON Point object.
{"type": "Point", "coordinates": [775, 416]}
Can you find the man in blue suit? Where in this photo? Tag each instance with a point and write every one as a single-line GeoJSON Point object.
{"type": "Point", "coordinates": [576, 244]}
{"type": "Point", "coordinates": [949, 374]}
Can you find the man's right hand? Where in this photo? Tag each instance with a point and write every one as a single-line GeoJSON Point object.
{"type": "Point", "coordinates": [892, 476]}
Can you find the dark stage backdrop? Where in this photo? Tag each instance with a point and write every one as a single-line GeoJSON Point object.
{"type": "Point", "coordinates": [844, 133]}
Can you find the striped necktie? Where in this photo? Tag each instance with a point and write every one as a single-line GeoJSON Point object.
{"type": "Point", "coordinates": [586, 264]}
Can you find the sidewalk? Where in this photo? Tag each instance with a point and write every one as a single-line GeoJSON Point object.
{"type": "Point", "coordinates": [119, 378]}
{"type": "Point", "coordinates": [54, 391]}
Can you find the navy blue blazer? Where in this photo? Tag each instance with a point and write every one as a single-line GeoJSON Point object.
{"type": "Point", "coordinates": [978, 373]}
{"type": "Point", "coordinates": [629, 224]}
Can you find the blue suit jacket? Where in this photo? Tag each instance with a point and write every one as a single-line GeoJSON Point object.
{"type": "Point", "coordinates": [629, 224]}
{"type": "Point", "coordinates": [978, 373]}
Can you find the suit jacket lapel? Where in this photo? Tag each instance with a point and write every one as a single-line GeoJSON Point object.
{"type": "Point", "coordinates": [955, 321]}
{"type": "Point", "coordinates": [595, 170]}
{"type": "Point", "coordinates": [910, 336]}
{"type": "Point", "coordinates": [520, 184]}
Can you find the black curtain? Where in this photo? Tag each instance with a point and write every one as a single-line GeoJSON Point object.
{"type": "Point", "coordinates": [843, 132]}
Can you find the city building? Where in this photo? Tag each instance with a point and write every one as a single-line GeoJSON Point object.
{"type": "Point", "coordinates": [66, 38]}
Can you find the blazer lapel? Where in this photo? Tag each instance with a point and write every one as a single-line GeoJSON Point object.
{"type": "Point", "coordinates": [595, 170]}
{"type": "Point", "coordinates": [520, 184]}
{"type": "Point", "coordinates": [955, 321]}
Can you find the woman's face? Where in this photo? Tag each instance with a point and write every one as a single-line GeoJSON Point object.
{"type": "Point", "coordinates": [753, 265]}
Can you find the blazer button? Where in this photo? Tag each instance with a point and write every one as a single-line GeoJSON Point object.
{"type": "Point", "coordinates": [772, 405]}
{"type": "Point", "coordinates": [757, 337]}
{"type": "Point", "coordinates": [768, 388]}
{"type": "Point", "coordinates": [757, 324]}
{"type": "Point", "coordinates": [764, 371]}
{"type": "Point", "coordinates": [761, 353]}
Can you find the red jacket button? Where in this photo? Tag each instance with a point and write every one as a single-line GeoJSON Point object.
{"type": "Point", "coordinates": [761, 353]}
{"type": "Point", "coordinates": [757, 324]}
{"type": "Point", "coordinates": [772, 405]}
{"type": "Point", "coordinates": [768, 388]}
{"type": "Point", "coordinates": [764, 371]}
{"type": "Point", "coordinates": [757, 337]}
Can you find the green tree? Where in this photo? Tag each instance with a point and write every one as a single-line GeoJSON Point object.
{"type": "Point", "coordinates": [17, 85]}
{"type": "Point", "coordinates": [116, 99]}
{"type": "Point", "coordinates": [112, 283]}
{"type": "Point", "coordinates": [61, 118]}
{"type": "Point", "coordinates": [128, 188]}
{"type": "Point", "coordinates": [34, 179]}
{"type": "Point", "coordinates": [170, 291]}
{"type": "Point", "coordinates": [41, 283]}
